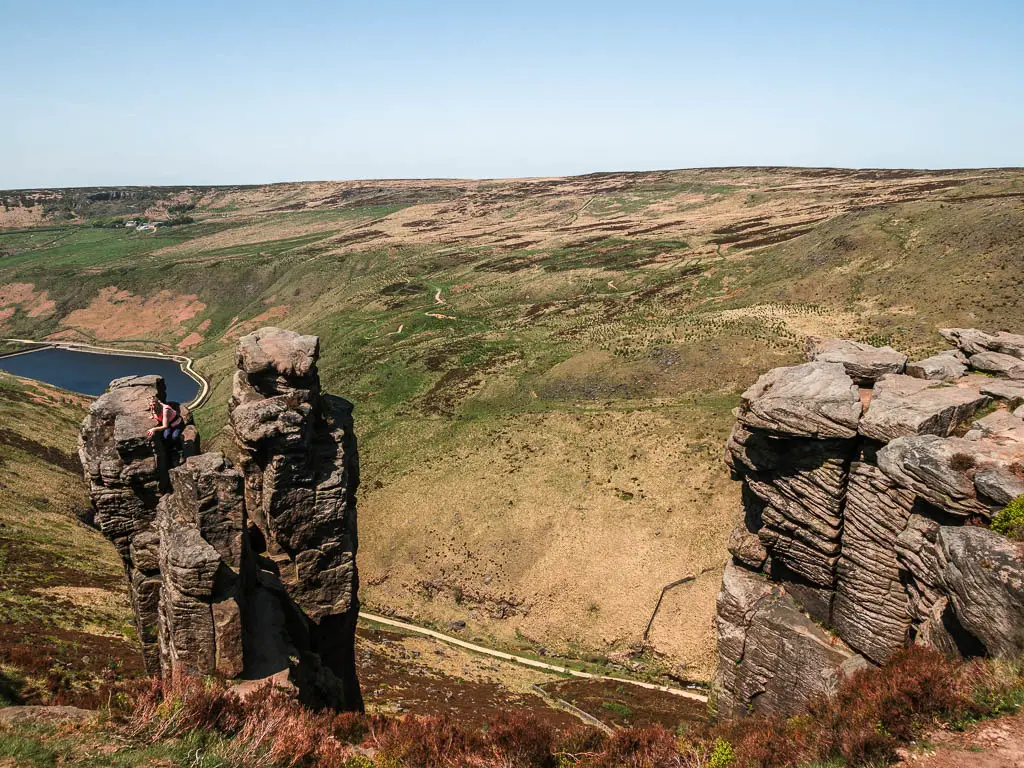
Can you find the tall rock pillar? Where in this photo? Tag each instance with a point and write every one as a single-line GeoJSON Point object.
{"type": "Point", "coordinates": [299, 459]}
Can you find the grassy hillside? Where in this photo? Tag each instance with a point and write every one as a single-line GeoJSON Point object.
{"type": "Point", "coordinates": [543, 369]}
{"type": "Point", "coordinates": [65, 626]}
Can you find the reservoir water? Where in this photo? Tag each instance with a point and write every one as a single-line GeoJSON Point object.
{"type": "Point", "coordinates": [89, 373]}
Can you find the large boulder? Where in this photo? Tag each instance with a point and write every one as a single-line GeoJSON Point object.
{"type": "Point", "coordinates": [815, 399]}
{"type": "Point", "coordinates": [772, 657]}
{"type": "Point", "coordinates": [984, 579]}
{"type": "Point", "coordinates": [971, 341]}
{"type": "Point", "coordinates": [941, 471]}
{"type": "Point", "coordinates": [996, 362]}
{"type": "Point", "coordinates": [277, 352]}
{"type": "Point", "coordinates": [902, 406]}
{"type": "Point", "coordinates": [864, 363]}
{"type": "Point", "coordinates": [946, 366]}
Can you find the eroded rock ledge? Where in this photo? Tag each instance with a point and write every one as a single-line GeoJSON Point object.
{"type": "Point", "coordinates": [244, 571]}
{"type": "Point", "coordinates": [868, 485]}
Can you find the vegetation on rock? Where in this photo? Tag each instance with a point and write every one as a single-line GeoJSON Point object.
{"type": "Point", "coordinates": [1010, 521]}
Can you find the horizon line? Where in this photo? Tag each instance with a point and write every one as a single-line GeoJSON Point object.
{"type": "Point", "coordinates": [526, 178]}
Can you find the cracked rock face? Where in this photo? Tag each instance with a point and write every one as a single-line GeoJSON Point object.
{"type": "Point", "coordinates": [773, 657]}
{"type": "Point", "coordinates": [301, 468]}
{"type": "Point", "coordinates": [127, 474]}
{"type": "Point", "coordinates": [246, 572]}
{"type": "Point", "coordinates": [856, 518]}
{"type": "Point", "coordinates": [863, 363]}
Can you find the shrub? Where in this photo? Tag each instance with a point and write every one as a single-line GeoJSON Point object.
{"type": "Point", "coordinates": [996, 687]}
{"type": "Point", "coordinates": [767, 742]}
{"type": "Point", "coordinates": [875, 711]}
{"type": "Point", "coordinates": [722, 754]}
{"type": "Point", "coordinates": [180, 704]}
{"type": "Point", "coordinates": [519, 740]}
{"type": "Point", "coordinates": [1010, 520]}
{"type": "Point", "coordinates": [871, 714]}
{"type": "Point", "coordinates": [425, 742]}
{"type": "Point", "coordinates": [648, 746]}
{"type": "Point", "coordinates": [576, 743]}
{"type": "Point", "coordinates": [961, 462]}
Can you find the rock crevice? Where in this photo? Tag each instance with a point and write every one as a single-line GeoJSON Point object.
{"type": "Point", "coordinates": [866, 493]}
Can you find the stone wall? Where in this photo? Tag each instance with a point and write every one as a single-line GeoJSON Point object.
{"type": "Point", "coordinates": [868, 484]}
{"type": "Point", "coordinates": [246, 572]}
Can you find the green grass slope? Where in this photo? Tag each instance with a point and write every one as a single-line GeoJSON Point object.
{"type": "Point", "coordinates": [66, 632]}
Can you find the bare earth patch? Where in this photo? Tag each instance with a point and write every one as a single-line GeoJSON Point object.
{"type": "Point", "coordinates": [994, 744]}
{"type": "Point", "coordinates": [114, 309]}
{"type": "Point", "coordinates": [24, 297]}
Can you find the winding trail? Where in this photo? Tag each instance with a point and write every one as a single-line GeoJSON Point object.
{"type": "Point", "coordinates": [187, 363]}
{"type": "Point", "coordinates": [526, 661]}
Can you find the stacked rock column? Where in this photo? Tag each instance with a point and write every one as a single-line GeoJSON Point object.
{"type": "Point", "coordinates": [126, 472]}
{"type": "Point", "coordinates": [300, 463]}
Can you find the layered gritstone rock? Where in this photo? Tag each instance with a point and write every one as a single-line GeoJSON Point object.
{"type": "Point", "coordinates": [202, 553]}
{"type": "Point", "coordinates": [127, 473]}
{"type": "Point", "coordinates": [792, 445]}
{"type": "Point", "coordinates": [301, 469]}
{"type": "Point", "coordinates": [772, 656]}
{"type": "Point", "coordinates": [246, 572]}
{"type": "Point", "coordinates": [864, 509]}
{"type": "Point", "coordinates": [872, 610]}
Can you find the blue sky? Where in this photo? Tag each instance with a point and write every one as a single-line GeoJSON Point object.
{"type": "Point", "coordinates": [100, 92]}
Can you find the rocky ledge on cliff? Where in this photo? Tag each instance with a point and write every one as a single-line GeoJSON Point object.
{"type": "Point", "coordinates": [246, 571]}
{"type": "Point", "coordinates": [869, 482]}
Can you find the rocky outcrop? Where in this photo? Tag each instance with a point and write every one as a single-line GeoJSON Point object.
{"type": "Point", "coordinates": [246, 572]}
{"type": "Point", "coordinates": [971, 341]}
{"type": "Point", "coordinates": [301, 468]}
{"type": "Point", "coordinates": [127, 473]}
{"type": "Point", "coordinates": [772, 656]}
{"type": "Point", "coordinates": [858, 485]}
{"type": "Point", "coordinates": [862, 362]}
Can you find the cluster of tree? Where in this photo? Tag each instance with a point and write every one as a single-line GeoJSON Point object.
{"type": "Point", "coordinates": [106, 223]}
{"type": "Point", "coordinates": [17, 201]}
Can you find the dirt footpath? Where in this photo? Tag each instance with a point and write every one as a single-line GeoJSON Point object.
{"type": "Point", "coordinates": [994, 744]}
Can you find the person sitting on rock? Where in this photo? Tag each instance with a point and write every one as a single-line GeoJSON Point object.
{"type": "Point", "coordinates": [169, 422]}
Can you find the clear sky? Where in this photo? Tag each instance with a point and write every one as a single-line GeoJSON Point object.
{"type": "Point", "coordinates": [190, 92]}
